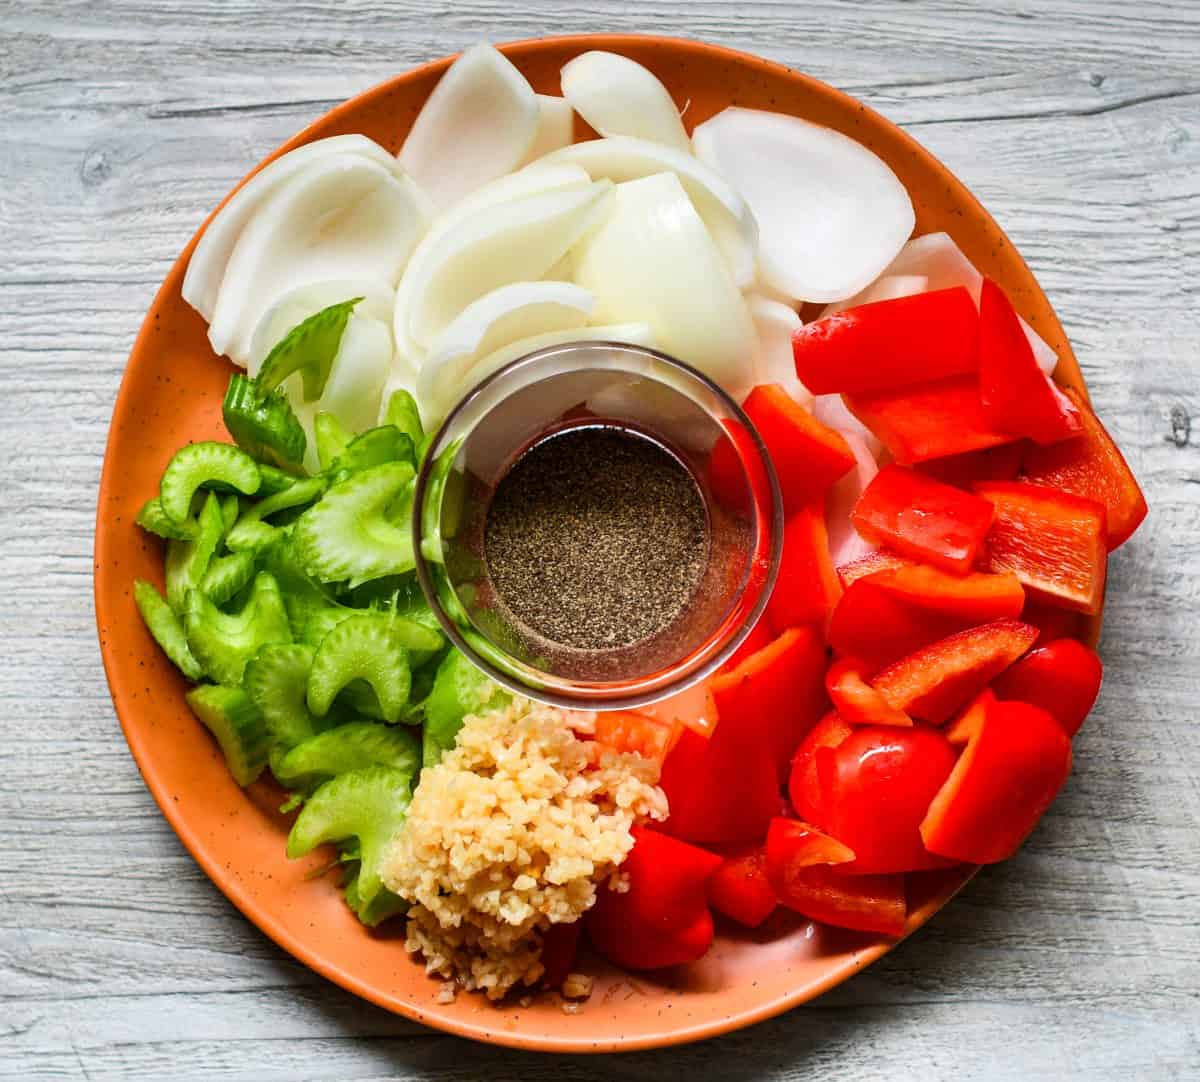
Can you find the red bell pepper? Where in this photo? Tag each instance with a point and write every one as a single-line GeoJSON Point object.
{"type": "Point", "coordinates": [760, 636]}
{"type": "Point", "coordinates": [933, 682]}
{"type": "Point", "coordinates": [1052, 622]}
{"type": "Point", "coordinates": [876, 786]}
{"type": "Point", "coordinates": [663, 918]}
{"type": "Point", "coordinates": [932, 420]}
{"type": "Point", "coordinates": [637, 734]}
{"type": "Point", "coordinates": [887, 344]}
{"type": "Point", "coordinates": [1052, 541]}
{"type": "Point", "coordinates": [855, 700]}
{"type": "Point", "coordinates": [1018, 397]}
{"type": "Point", "coordinates": [560, 945]}
{"type": "Point", "coordinates": [694, 709]}
{"type": "Point", "coordinates": [1092, 466]}
{"type": "Point", "coordinates": [1012, 768]}
{"type": "Point", "coordinates": [807, 587]}
{"type": "Point", "coordinates": [740, 889]}
{"type": "Point", "coordinates": [808, 456]}
{"type": "Point", "coordinates": [976, 597]}
{"type": "Point", "coordinates": [880, 560]}
{"type": "Point", "coordinates": [1000, 463]}
{"type": "Point", "coordinates": [735, 471]}
{"type": "Point", "coordinates": [804, 786]}
{"type": "Point", "coordinates": [798, 865]}
{"type": "Point", "coordinates": [778, 693]}
{"type": "Point", "coordinates": [961, 731]}
{"type": "Point", "coordinates": [1062, 677]}
{"type": "Point", "coordinates": [924, 519]}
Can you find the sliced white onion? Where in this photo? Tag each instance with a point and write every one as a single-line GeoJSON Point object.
{"type": "Point", "coordinates": [206, 268]}
{"type": "Point", "coordinates": [617, 96]}
{"type": "Point", "coordinates": [556, 126]}
{"type": "Point", "coordinates": [831, 214]}
{"type": "Point", "coordinates": [943, 263]}
{"type": "Point", "coordinates": [724, 212]}
{"type": "Point", "coordinates": [506, 315]}
{"type": "Point", "coordinates": [845, 542]}
{"type": "Point", "coordinates": [340, 216]}
{"type": "Point", "coordinates": [830, 410]}
{"type": "Point", "coordinates": [478, 124]}
{"type": "Point", "coordinates": [653, 261]}
{"type": "Point", "coordinates": [513, 242]}
{"type": "Point", "coordinates": [359, 371]}
{"type": "Point", "coordinates": [887, 287]}
{"type": "Point", "coordinates": [775, 323]}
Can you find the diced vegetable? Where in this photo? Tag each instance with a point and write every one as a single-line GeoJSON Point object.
{"type": "Point", "coordinates": [1062, 677]}
{"type": "Point", "coordinates": [637, 734]}
{"type": "Point", "coordinates": [163, 624]}
{"type": "Point", "coordinates": [760, 636]}
{"type": "Point", "coordinates": [560, 945]}
{"type": "Point", "coordinates": [1092, 466]}
{"type": "Point", "coordinates": [1055, 543]}
{"type": "Point", "coordinates": [187, 561]}
{"type": "Point", "coordinates": [923, 518]}
{"type": "Point", "coordinates": [855, 700]}
{"type": "Point", "coordinates": [740, 889]}
{"type": "Point", "coordinates": [372, 913]}
{"type": "Point", "coordinates": [556, 127]}
{"type": "Point", "coordinates": [308, 348]}
{"type": "Point", "coordinates": [807, 588]}
{"type": "Point", "coordinates": [205, 464]}
{"type": "Point", "coordinates": [876, 626]}
{"type": "Point", "coordinates": [694, 708]}
{"type": "Point", "coordinates": [890, 344]}
{"type": "Point", "coordinates": [153, 518]}
{"type": "Point", "coordinates": [401, 412]}
{"type": "Point", "coordinates": [617, 96]}
{"type": "Point", "coordinates": [224, 642]}
{"type": "Point", "coordinates": [1012, 768]}
{"type": "Point", "coordinates": [227, 576]}
{"type": "Point", "coordinates": [774, 325]}
{"type": "Point", "coordinates": [999, 463]}
{"type": "Point", "coordinates": [846, 544]}
{"type": "Point", "coordinates": [371, 647]}
{"type": "Point", "coordinates": [247, 532]}
{"type": "Point", "coordinates": [804, 786]}
{"type": "Point", "coordinates": [262, 424]}
{"type": "Point", "coordinates": [977, 596]}
{"type": "Point", "coordinates": [354, 746]}
{"type": "Point", "coordinates": [459, 689]}
{"type": "Point", "coordinates": [231, 717]}
{"type": "Point", "coordinates": [663, 918]}
{"type": "Point", "coordinates": [276, 679]}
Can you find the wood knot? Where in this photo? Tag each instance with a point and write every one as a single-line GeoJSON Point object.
{"type": "Point", "coordinates": [1181, 427]}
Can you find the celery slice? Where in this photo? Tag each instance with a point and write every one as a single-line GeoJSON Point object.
{"type": "Point", "coordinates": [373, 648]}
{"type": "Point", "coordinates": [402, 412]}
{"type": "Point", "coordinates": [187, 561]}
{"type": "Point", "coordinates": [353, 746]}
{"type": "Point", "coordinates": [274, 480]}
{"type": "Point", "coordinates": [206, 464]}
{"type": "Point", "coordinates": [459, 689]}
{"type": "Point", "coordinates": [252, 536]}
{"type": "Point", "coordinates": [302, 596]}
{"type": "Point", "coordinates": [370, 805]}
{"type": "Point", "coordinates": [332, 437]}
{"type": "Point", "coordinates": [308, 348]}
{"type": "Point", "coordinates": [232, 718]}
{"type": "Point", "coordinates": [223, 642]}
{"type": "Point", "coordinates": [231, 507]}
{"type": "Point", "coordinates": [346, 535]}
{"type": "Point", "coordinates": [276, 679]}
{"type": "Point", "coordinates": [263, 424]}
{"type": "Point", "coordinates": [227, 576]}
{"type": "Point", "coordinates": [385, 904]}
{"type": "Point", "coordinates": [154, 519]}
{"type": "Point", "coordinates": [372, 448]}
{"type": "Point", "coordinates": [247, 534]}
{"type": "Point", "coordinates": [164, 625]}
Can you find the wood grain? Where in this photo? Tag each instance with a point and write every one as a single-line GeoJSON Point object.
{"type": "Point", "coordinates": [1076, 121]}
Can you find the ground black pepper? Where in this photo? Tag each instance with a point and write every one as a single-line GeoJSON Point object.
{"type": "Point", "coordinates": [596, 538]}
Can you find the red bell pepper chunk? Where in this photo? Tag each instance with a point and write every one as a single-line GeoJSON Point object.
{"type": "Point", "coordinates": [804, 786]}
{"type": "Point", "coordinates": [1001, 463]}
{"type": "Point", "coordinates": [760, 636]}
{"type": "Point", "coordinates": [694, 709]}
{"type": "Point", "coordinates": [880, 560]}
{"type": "Point", "coordinates": [876, 626]}
{"type": "Point", "coordinates": [932, 420]}
{"type": "Point", "coordinates": [807, 587]}
{"type": "Point", "coordinates": [1018, 397]}
{"type": "Point", "coordinates": [933, 682]}
{"type": "Point", "coordinates": [977, 597]}
{"type": "Point", "coordinates": [1092, 466]}
{"type": "Point", "coordinates": [778, 693]}
{"type": "Point", "coordinates": [855, 700]}
{"type": "Point", "coordinates": [961, 731]}
{"type": "Point", "coordinates": [560, 945]}
{"type": "Point", "coordinates": [1053, 542]}
{"type": "Point", "coordinates": [663, 918]}
{"type": "Point", "coordinates": [798, 865]}
{"type": "Point", "coordinates": [808, 456]}
{"type": "Point", "coordinates": [876, 787]}
{"type": "Point", "coordinates": [637, 734]}
{"type": "Point", "coordinates": [1012, 768]}
{"type": "Point", "coordinates": [740, 889]}
{"type": "Point", "coordinates": [1052, 622]}
{"type": "Point", "coordinates": [735, 471]}
{"type": "Point", "coordinates": [924, 519]}
{"type": "Point", "coordinates": [1062, 677]}
{"type": "Point", "coordinates": [887, 344]}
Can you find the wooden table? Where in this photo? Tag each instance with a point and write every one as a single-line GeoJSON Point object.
{"type": "Point", "coordinates": [1076, 121]}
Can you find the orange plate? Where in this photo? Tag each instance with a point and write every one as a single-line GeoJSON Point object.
{"type": "Point", "coordinates": [172, 393]}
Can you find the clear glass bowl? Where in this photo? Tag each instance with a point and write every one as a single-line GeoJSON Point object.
{"type": "Point", "coordinates": [634, 388]}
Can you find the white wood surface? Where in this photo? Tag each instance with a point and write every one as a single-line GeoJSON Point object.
{"type": "Point", "coordinates": [1078, 124]}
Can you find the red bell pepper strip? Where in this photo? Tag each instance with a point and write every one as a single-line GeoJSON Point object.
{"type": "Point", "coordinates": [880, 560]}
{"type": "Point", "coordinates": [740, 889]}
{"type": "Point", "coordinates": [637, 734]}
{"type": "Point", "coordinates": [694, 708]}
{"type": "Point", "coordinates": [735, 471]}
{"type": "Point", "coordinates": [1018, 397]}
{"type": "Point", "coordinates": [799, 859]}
{"type": "Point", "coordinates": [808, 456]}
{"type": "Point", "coordinates": [807, 587]}
{"type": "Point", "coordinates": [1062, 677]}
{"type": "Point", "coordinates": [804, 786]}
{"type": "Point", "coordinates": [778, 693]}
{"type": "Point", "coordinates": [976, 597]}
{"type": "Point", "coordinates": [1053, 542]}
{"type": "Point", "coordinates": [1009, 773]}
{"type": "Point", "coordinates": [932, 420]}
{"type": "Point", "coordinates": [1052, 622]}
{"type": "Point", "coordinates": [560, 945]}
{"type": "Point", "coordinates": [760, 636]}
{"type": "Point", "coordinates": [855, 700]}
{"type": "Point", "coordinates": [663, 918]}
{"type": "Point", "coordinates": [933, 682]}
{"type": "Point", "coordinates": [1092, 466]}
{"type": "Point", "coordinates": [1001, 463]}
{"type": "Point", "coordinates": [924, 519]}
{"type": "Point", "coordinates": [876, 786]}
{"type": "Point", "coordinates": [961, 731]}
{"type": "Point", "coordinates": [887, 344]}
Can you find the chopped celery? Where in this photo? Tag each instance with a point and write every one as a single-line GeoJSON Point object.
{"type": "Point", "coordinates": [459, 689]}
{"type": "Point", "coordinates": [247, 534]}
{"type": "Point", "coordinates": [263, 424]}
{"type": "Point", "coordinates": [308, 348]}
{"type": "Point", "coordinates": [274, 480]}
{"type": "Point", "coordinates": [187, 561]}
{"type": "Point", "coordinates": [301, 594]}
{"type": "Point", "coordinates": [353, 746]}
{"type": "Point", "coordinates": [402, 412]}
{"type": "Point", "coordinates": [224, 642]}
{"type": "Point", "coordinates": [346, 534]}
{"type": "Point", "coordinates": [372, 647]}
{"type": "Point", "coordinates": [153, 518]}
{"type": "Point", "coordinates": [252, 536]}
{"type": "Point", "coordinates": [373, 448]}
{"type": "Point", "coordinates": [322, 621]}
{"type": "Point", "coordinates": [332, 436]}
{"type": "Point", "coordinates": [206, 464]}
{"type": "Point", "coordinates": [436, 518]}
{"type": "Point", "coordinates": [385, 904]}
{"type": "Point", "coordinates": [231, 507]}
{"type": "Point", "coordinates": [233, 719]}
{"type": "Point", "coordinates": [227, 576]}
{"type": "Point", "coordinates": [164, 625]}
{"type": "Point", "coordinates": [370, 805]}
{"type": "Point", "coordinates": [276, 678]}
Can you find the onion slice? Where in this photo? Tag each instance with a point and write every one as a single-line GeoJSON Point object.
{"type": "Point", "coordinates": [887, 287]}
{"type": "Point", "coordinates": [845, 542]}
{"type": "Point", "coordinates": [617, 96]}
{"type": "Point", "coordinates": [831, 410]}
{"type": "Point", "coordinates": [775, 323]}
{"type": "Point", "coordinates": [724, 212]}
{"type": "Point", "coordinates": [653, 261]}
{"type": "Point", "coordinates": [556, 126]}
{"type": "Point", "coordinates": [832, 215]}
{"type": "Point", "coordinates": [477, 124]}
